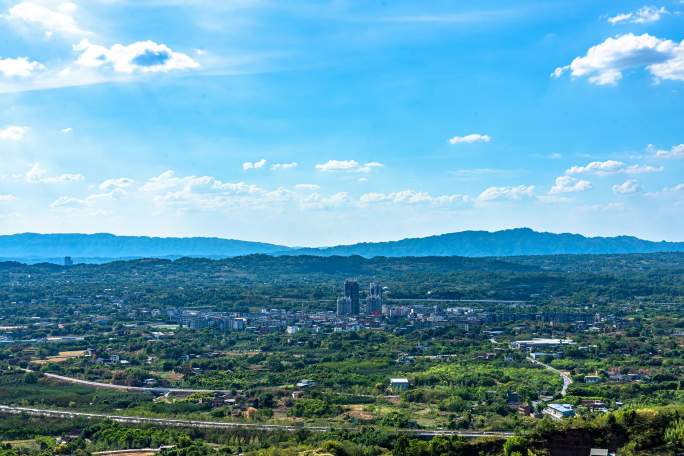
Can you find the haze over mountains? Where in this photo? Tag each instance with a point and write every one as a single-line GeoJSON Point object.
{"type": "Point", "coordinates": [96, 248]}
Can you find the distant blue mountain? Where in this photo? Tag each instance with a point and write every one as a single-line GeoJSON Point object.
{"type": "Point", "coordinates": [514, 242]}
{"type": "Point", "coordinates": [102, 247]}
{"type": "Point", "coordinates": [29, 247]}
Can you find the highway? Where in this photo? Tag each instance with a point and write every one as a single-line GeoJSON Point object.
{"type": "Point", "coordinates": [200, 424]}
{"type": "Point", "coordinates": [157, 421]}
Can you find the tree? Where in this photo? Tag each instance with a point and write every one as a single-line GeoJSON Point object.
{"type": "Point", "coordinates": [514, 446]}
{"type": "Point", "coordinates": [674, 435]}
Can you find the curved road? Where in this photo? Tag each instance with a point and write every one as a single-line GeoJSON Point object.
{"type": "Point", "coordinates": [567, 381]}
{"type": "Point", "coordinates": [137, 389]}
{"type": "Point", "coordinates": [224, 425]}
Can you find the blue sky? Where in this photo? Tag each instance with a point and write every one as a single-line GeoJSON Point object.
{"type": "Point", "coordinates": [314, 123]}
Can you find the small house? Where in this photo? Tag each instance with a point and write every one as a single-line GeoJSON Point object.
{"type": "Point", "coordinates": [399, 384]}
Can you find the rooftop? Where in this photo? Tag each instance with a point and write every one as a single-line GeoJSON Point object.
{"type": "Point", "coordinates": [543, 341]}
{"type": "Point", "coordinates": [563, 408]}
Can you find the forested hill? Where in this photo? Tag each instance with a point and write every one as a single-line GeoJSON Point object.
{"type": "Point", "coordinates": [100, 248]}
{"type": "Point", "coordinates": [310, 268]}
{"type": "Point", "coordinates": [520, 241]}
{"type": "Point", "coordinates": [256, 277]}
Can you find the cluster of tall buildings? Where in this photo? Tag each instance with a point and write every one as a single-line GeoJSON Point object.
{"type": "Point", "coordinates": [350, 303]}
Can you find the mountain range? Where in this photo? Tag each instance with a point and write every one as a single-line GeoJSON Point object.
{"type": "Point", "coordinates": [98, 248]}
{"type": "Point", "coordinates": [102, 247]}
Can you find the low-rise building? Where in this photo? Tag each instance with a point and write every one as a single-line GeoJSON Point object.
{"type": "Point", "coordinates": [600, 452]}
{"type": "Point", "coordinates": [305, 383]}
{"type": "Point", "coordinates": [399, 383]}
{"type": "Point", "coordinates": [540, 342]}
{"type": "Point", "coordinates": [559, 411]}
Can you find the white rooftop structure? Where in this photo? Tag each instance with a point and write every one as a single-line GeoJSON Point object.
{"type": "Point", "coordinates": [540, 342]}
{"type": "Point", "coordinates": [599, 452]}
{"type": "Point", "coordinates": [559, 411]}
{"type": "Point", "coordinates": [399, 383]}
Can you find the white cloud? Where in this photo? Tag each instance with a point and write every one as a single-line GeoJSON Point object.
{"type": "Point", "coordinates": [351, 166]}
{"type": "Point", "coordinates": [20, 67]}
{"type": "Point", "coordinates": [604, 63]}
{"type": "Point", "coordinates": [471, 138]}
{"type": "Point", "coordinates": [559, 71]}
{"type": "Point", "coordinates": [177, 194]}
{"type": "Point", "coordinates": [308, 187]}
{"type": "Point", "coordinates": [209, 193]}
{"type": "Point", "coordinates": [568, 184]}
{"type": "Point", "coordinates": [169, 181]}
{"type": "Point", "coordinates": [7, 198]}
{"type": "Point", "coordinates": [506, 193]}
{"type": "Point", "coordinates": [58, 20]}
{"type": "Point", "coordinates": [165, 180]}
{"type": "Point", "coordinates": [38, 175]}
{"type": "Point", "coordinates": [644, 15]}
{"type": "Point", "coordinates": [622, 17]}
{"type": "Point", "coordinates": [675, 189]}
{"type": "Point", "coordinates": [675, 151]}
{"type": "Point", "coordinates": [318, 201]}
{"type": "Point", "coordinates": [554, 199]}
{"type": "Point", "coordinates": [411, 197]}
{"type": "Point", "coordinates": [254, 165]}
{"type": "Point", "coordinates": [612, 167]}
{"type": "Point", "coordinates": [627, 187]}
{"type": "Point", "coordinates": [281, 166]}
{"type": "Point", "coordinates": [121, 182]}
{"type": "Point", "coordinates": [67, 201]}
{"type": "Point", "coordinates": [13, 133]}
{"type": "Point", "coordinates": [89, 204]}
{"type": "Point", "coordinates": [96, 64]}
{"type": "Point", "coordinates": [609, 207]}
{"type": "Point", "coordinates": [67, 130]}
{"type": "Point", "coordinates": [141, 56]}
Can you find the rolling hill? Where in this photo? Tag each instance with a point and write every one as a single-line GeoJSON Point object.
{"type": "Point", "coordinates": [98, 248]}
{"type": "Point", "coordinates": [514, 242]}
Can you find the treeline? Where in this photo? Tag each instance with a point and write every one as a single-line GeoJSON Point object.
{"type": "Point", "coordinates": [633, 432]}
{"type": "Point", "coordinates": [261, 281]}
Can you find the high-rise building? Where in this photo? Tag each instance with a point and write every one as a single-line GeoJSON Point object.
{"type": "Point", "coordinates": [239, 324]}
{"type": "Point", "coordinates": [351, 291]}
{"type": "Point", "coordinates": [344, 306]}
{"type": "Point", "coordinates": [68, 261]}
{"type": "Point", "coordinates": [374, 301]}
